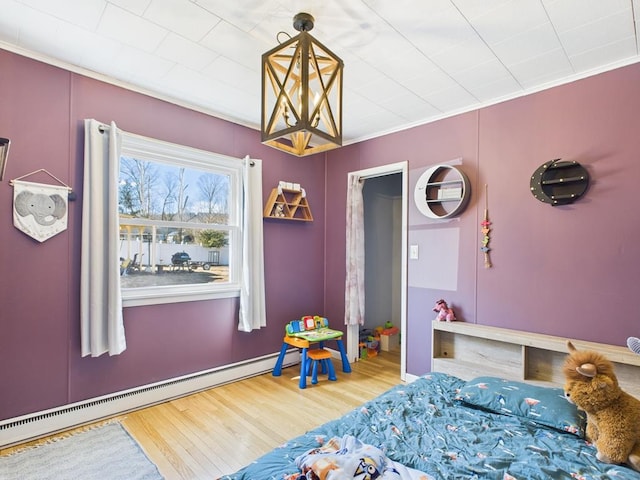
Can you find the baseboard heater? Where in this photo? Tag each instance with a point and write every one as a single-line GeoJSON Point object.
{"type": "Point", "coordinates": [35, 425]}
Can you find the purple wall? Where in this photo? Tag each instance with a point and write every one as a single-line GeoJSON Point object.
{"type": "Point", "coordinates": [570, 270]}
{"type": "Point", "coordinates": [42, 110]}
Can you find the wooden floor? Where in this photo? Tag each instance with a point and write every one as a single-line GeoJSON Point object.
{"type": "Point", "coordinates": [218, 431]}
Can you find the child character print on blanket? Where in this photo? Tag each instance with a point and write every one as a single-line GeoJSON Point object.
{"type": "Point", "coordinates": [348, 458]}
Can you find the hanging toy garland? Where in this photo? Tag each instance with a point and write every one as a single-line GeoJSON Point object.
{"type": "Point", "coordinates": [485, 231]}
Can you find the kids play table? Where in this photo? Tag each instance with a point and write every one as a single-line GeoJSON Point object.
{"type": "Point", "coordinates": [303, 341]}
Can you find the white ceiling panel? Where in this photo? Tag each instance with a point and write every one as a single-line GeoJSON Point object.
{"type": "Point", "coordinates": [406, 61]}
{"type": "Point", "coordinates": [181, 50]}
{"type": "Point", "coordinates": [137, 7]}
{"type": "Point", "coordinates": [234, 74]}
{"type": "Point", "coordinates": [610, 29]}
{"type": "Point", "coordinates": [570, 14]}
{"type": "Point", "coordinates": [482, 74]}
{"type": "Point", "coordinates": [532, 72]}
{"type": "Point", "coordinates": [613, 52]}
{"type": "Point", "coordinates": [182, 17]}
{"type": "Point", "coordinates": [527, 44]}
{"type": "Point", "coordinates": [464, 55]}
{"type": "Point", "coordinates": [129, 61]}
{"type": "Point", "coordinates": [229, 41]}
{"type": "Point", "coordinates": [86, 12]}
{"type": "Point", "coordinates": [509, 19]}
{"type": "Point", "coordinates": [504, 87]}
{"type": "Point", "coordinates": [137, 32]}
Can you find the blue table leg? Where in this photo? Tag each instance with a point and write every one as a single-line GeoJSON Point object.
{"type": "Point", "coordinates": [277, 370]}
{"type": "Point", "coordinates": [346, 367]}
{"type": "Point", "coordinates": [303, 368]}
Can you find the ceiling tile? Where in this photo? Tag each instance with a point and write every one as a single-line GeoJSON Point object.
{"type": "Point", "coordinates": [85, 13]}
{"type": "Point", "coordinates": [526, 44]}
{"type": "Point", "coordinates": [452, 99]}
{"type": "Point", "coordinates": [245, 15]}
{"type": "Point", "coordinates": [12, 13]}
{"type": "Point", "coordinates": [570, 14]}
{"type": "Point", "coordinates": [463, 55]}
{"type": "Point", "coordinates": [231, 42]}
{"type": "Point", "coordinates": [42, 28]}
{"type": "Point", "coordinates": [232, 73]}
{"type": "Point", "coordinates": [483, 74]}
{"type": "Point", "coordinates": [182, 17]}
{"type": "Point", "coordinates": [407, 105]}
{"type": "Point", "coordinates": [505, 87]}
{"type": "Point", "coordinates": [611, 53]}
{"type": "Point", "coordinates": [425, 84]}
{"type": "Point", "coordinates": [377, 87]}
{"type": "Point", "coordinates": [509, 19]}
{"type": "Point", "coordinates": [610, 29]}
{"type": "Point", "coordinates": [190, 54]}
{"type": "Point", "coordinates": [472, 9]}
{"type": "Point", "coordinates": [441, 25]}
{"type": "Point", "coordinates": [134, 64]}
{"type": "Point", "coordinates": [130, 29]}
{"type": "Point", "coordinates": [137, 7]}
{"type": "Point", "coordinates": [543, 69]}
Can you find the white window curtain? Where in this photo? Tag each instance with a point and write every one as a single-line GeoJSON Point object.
{"type": "Point", "coordinates": [252, 313]}
{"type": "Point", "coordinates": [101, 323]}
{"type": "Point", "coordinates": [354, 283]}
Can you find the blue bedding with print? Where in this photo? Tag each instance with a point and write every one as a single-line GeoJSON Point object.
{"type": "Point", "coordinates": [423, 426]}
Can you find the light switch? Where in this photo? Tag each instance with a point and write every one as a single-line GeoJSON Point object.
{"type": "Point", "coordinates": [413, 252]}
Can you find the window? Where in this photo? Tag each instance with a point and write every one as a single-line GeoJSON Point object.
{"type": "Point", "coordinates": [179, 215]}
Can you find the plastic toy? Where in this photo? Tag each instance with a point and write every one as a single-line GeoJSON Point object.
{"type": "Point", "coordinates": [634, 344]}
{"type": "Point", "coordinates": [613, 416]}
{"type": "Point", "coordinates": [445, 314]}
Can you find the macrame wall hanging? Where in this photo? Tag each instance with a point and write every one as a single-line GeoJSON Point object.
{"type": "Point", "coordinates": [40, 210]}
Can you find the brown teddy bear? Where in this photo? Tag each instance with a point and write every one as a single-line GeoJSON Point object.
{"type": "Point", "coordinates": [613, 416]}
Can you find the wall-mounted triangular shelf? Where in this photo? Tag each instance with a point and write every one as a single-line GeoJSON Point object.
{"type": "Point", "coordinates": [285, 204]}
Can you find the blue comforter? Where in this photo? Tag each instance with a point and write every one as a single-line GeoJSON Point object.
{"type": "Point", "coordinates": [420, 425]}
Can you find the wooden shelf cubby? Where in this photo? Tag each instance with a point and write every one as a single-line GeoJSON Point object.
{"type": "Point", "coordinates": [285, 204]}
{"type": "Point", "coordinates": [469, 350]}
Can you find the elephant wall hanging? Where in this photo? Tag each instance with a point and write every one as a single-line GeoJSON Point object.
{"type": "Point", "coordinates": [40, 210]}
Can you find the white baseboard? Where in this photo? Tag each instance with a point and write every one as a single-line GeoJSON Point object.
{"type": "Point", "coordinates": [35, 425]}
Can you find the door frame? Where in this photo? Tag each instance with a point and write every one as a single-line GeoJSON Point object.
{"type": "Point", "coordinates": [353, 330]}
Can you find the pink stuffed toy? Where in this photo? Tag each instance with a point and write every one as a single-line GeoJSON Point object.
{"type": "Point", "coordinates": [445, 314]}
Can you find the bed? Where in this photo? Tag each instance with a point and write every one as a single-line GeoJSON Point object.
{"type": "Point", "coordinates": [447, 427]}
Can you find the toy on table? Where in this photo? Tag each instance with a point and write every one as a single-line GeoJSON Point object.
{"type": "Point", "coordinates": [613, 416]}
{"type": "Point", "coordinates": [445, 313]}
{"type": "Point", "coordinates": [306, 323]}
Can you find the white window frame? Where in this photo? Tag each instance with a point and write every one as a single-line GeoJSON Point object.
{"type": "Point", "coordinates": [145, 148]}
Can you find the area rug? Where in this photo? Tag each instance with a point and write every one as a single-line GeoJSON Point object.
{"type": "Point", "coordinates": [107, 452]}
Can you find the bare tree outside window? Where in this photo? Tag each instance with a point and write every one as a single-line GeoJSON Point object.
{"type": "Point", "coordinates": [174, 222]}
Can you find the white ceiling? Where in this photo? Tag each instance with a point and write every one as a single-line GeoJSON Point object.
{"type": "Point", "coordinates": [407, 62]}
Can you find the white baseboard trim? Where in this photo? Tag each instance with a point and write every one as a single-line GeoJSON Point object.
{"type": "Point", "coordinates": [35, 425]}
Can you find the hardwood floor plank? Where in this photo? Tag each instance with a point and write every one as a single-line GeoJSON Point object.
{"type": "Point", "coordinates": [220, 430]}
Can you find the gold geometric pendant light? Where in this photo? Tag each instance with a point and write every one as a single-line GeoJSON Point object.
{"type": "Point", "coordinates": [301, 94]}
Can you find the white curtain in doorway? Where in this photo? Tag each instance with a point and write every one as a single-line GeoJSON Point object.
{"type": "Point", "coordinates": [101, 322]}
{"type": "Point", "coordinates": [354, 283]}
{"type": "Point", "coordinates": [252, 296]}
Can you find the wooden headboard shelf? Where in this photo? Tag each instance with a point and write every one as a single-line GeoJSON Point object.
{"type": "Point", "coordinates": [468, 350]}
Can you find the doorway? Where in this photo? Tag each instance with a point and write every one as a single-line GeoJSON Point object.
{"type": "Point", "coordinates": [384, 195]}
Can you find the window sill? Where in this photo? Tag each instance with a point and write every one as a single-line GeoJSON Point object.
{"type": "Point", "coordinates": [156, 296]}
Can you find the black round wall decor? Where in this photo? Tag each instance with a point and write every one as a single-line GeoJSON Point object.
{"type": "Point", "coordinates": [558, 182]}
